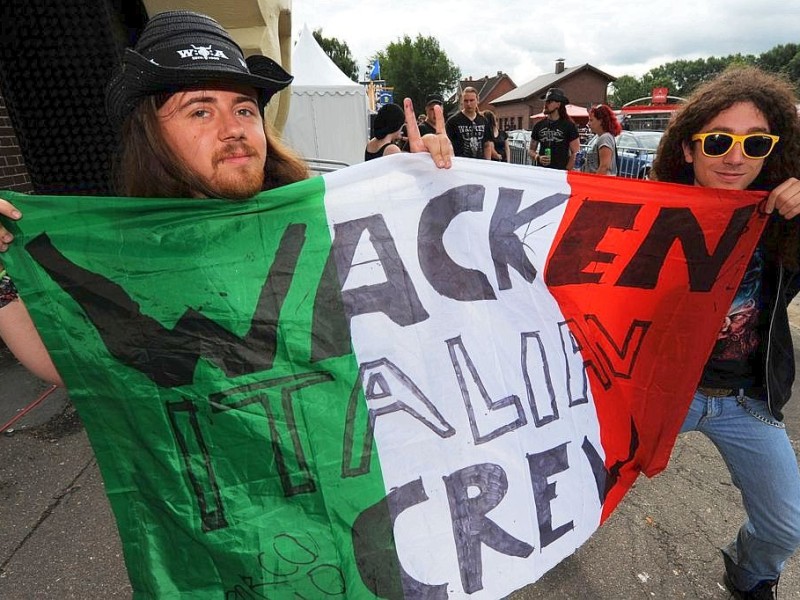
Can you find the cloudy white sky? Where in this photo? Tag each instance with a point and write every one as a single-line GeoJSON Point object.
{"type": "Point", "coordinates": [524, 38]}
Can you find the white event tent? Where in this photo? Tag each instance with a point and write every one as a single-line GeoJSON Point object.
{"type": "Point", "coordinates": [328, 112]}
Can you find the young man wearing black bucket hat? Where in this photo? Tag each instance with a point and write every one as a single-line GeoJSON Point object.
{"type": "Point", "coordinates": [189, 107]}
{"type": "Point", "coordinates": [190, 110]}
{"type": "Point", "coordinates": [554, 140]}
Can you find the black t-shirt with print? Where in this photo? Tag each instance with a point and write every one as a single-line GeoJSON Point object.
{"type": "Point", "coordinates": [468, 136]}
{"type": "Point", "coordinates": [556, 135]}
{"type": "Point", "coordinates": [736, 360]}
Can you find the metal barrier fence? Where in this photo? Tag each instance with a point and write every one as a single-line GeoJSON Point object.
{"type": "Point", "coordinates": [633, 163]}
{"type": "Point", "coordinates": [519, 155]}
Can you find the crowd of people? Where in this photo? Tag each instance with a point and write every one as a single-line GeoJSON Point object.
{"type": "Point", "coordinates": [472, 133]}
{"type": "Point", "coordinates": [555, 139]}
{"type": "Point", "coordinates": [191, 131]}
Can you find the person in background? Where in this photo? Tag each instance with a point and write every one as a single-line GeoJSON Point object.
{"type": "Point", "coordinates": [740, 131]}
{"type": "Point", "coordinates": [497, 148]}
{"type": "Point", "coordinates": [554, 139]}
{"type": "Point", "coordinates": [603, 159]}
{"type": "Point", "coordinates": [431, 102]}
{"type": "Point", "coordinates": [467, 129]}
{"type": "Point", "coordinates": [387, 132]}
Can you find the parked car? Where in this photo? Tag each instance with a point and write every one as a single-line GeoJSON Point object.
{"type": "Point", "coordinates": [635, 152]}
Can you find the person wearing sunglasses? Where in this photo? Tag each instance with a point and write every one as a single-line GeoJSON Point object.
{"type": "Point", "coordinates": [740, 131]}
{"type": "Point", "coordinates": [555, 141]}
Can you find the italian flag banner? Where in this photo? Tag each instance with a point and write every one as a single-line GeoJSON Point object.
{"type": "Point", "coordinates": [389, 382]}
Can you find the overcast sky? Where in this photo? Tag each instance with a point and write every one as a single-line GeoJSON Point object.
{"type": "Point", "coordinates": [524, 38]}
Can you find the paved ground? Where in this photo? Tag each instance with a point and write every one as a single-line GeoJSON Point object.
{"type": "Point", "coordinates": [59, 540]}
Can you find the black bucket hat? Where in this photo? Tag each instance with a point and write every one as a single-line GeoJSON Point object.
{"type": "Point", "coordinates": [183, 49]}
{"type": "Point", "coordinates": [557, 95]}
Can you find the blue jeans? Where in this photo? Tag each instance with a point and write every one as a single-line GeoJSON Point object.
{"type": "Point", "coordinates": [763, 466]}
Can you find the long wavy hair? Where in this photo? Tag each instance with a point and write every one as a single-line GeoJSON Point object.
{"type": "Point", "coordinates": [562, 112]}
{"type": "Point", "coordinates": [776, 100]}
{"type": "Point", "coordinates": [147, 168]}
{"type": "Point", "coordinates": [607, 118]}
{"type": "Point", "coordinates": [491, 119]}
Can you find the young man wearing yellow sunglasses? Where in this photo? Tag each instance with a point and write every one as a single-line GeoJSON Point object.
{"type": "Point", "coordinates": [741, 131]}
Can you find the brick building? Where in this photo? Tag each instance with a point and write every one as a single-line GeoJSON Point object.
{"type": "Point", "coordinates": [584, 85]}
{"type": "Point", "coordinates": [13, 174]}
{"type": "Point", "coordinates": [488, 88]}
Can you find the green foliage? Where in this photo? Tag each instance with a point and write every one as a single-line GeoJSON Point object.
{"type": "Point", "coordinates": [681, 77]}
{"type": "Point", "coordinates": [625, 89]}
{"type": "Point", "coordinates": [784, 59]}
{"type": "Point", "coordinates": [339, 53]}
{"type": "Point", "coordinates": [416, 68]}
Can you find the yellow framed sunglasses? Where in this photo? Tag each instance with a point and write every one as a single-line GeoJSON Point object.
{"type": "Point", "coordinates": [754, 145]}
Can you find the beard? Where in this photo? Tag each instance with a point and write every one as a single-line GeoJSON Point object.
{"type": "Point", "coordinates": [237, 182]}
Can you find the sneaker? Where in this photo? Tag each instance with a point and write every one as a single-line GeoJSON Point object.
{"type": "Point", "coordinates": [766, 590]}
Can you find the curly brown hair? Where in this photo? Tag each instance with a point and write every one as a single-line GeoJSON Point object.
{"type": "Point", "coordinates": [770, 93]}
{"type": "Point", "coordinates": [776, 100]}
{"type": "Point", "coordinates": [147, 168]}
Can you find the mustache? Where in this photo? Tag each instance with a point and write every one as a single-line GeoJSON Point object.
{"type": "Point", "coordinates": [232, 149]}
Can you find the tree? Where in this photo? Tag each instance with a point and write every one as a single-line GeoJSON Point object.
{"type": "Point", "coordinates": [681, 77]}
{"type": "Point", "coordinates": [626, 88]}
{"type": "Point", "coordinates": [784, 59]}
{"type": "Point", "coordinates": [417, 68]}
{"type": "Point", "coordinates": [339, 53]}
{"type": "Point", "coordinates": [778, 58]}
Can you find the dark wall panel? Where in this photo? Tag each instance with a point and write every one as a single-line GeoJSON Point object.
{"type": "Point", "coordinates": [55, 59]}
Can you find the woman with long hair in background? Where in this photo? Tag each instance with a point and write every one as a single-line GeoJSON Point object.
{"type": "Point", "coordinates": [497, 149]}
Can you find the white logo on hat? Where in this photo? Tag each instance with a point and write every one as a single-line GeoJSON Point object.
{"type": "Point", "coordinates": [202, 53]}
